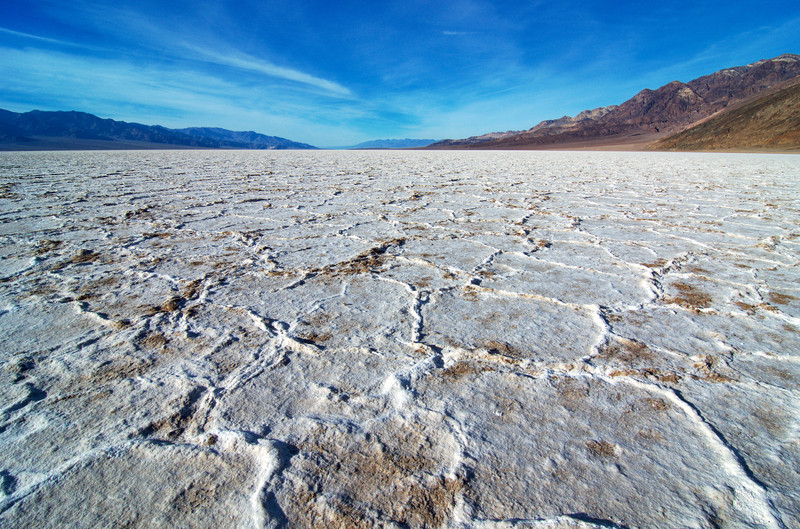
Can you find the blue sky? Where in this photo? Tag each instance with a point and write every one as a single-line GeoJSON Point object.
{"type": "Point", "coordinates": [337, 73]}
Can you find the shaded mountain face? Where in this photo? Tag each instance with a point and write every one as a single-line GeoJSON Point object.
{"type": "Point", "coordinates": [765, 121]}
{"type": "Point", "coordinates": [80, 125]}
{"type": "Point", "coordinates": [81, 130]}
{"type": "Point", "coordinates": [650, 114]}
{"type": "Point", "coordinates": [9, 132]}
{"type": "Point", "coordinates": [253, 140]}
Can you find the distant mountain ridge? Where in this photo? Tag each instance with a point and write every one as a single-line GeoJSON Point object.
{"type": "Point", "coordinates": [253, 139]}
{"type": "Point", "coordinates": [39, 129]}
{"type": "Point", "coordinates": [647, 116]}
{"type": "Point", "coordinates": [406, 143]}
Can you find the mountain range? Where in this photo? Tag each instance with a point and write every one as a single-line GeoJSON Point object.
{"type": "Point", "coordinates": [392, 144]}
{"type": "Point", "coordinates": [769, 121]}
{"type": "Point", "coordinates": [653, 115]}
{"type": "Point", "coordinates": [41, 130]}
{"type": "Point", "coordinates": [756, 106]}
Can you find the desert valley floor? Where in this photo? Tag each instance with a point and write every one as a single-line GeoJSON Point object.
{"type": "Point", "coordinates": [399, 339]}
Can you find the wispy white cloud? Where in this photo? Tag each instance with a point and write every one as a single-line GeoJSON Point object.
{"type": "Point", "coordinates": [48, 40]}
{"type": "Point", "coordinates": [143, 34]}
{"type": "Point", "coordinates": [253, 64]}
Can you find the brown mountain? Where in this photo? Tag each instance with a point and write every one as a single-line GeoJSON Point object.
{"type": "Point", "coordinates": [647, 116]}
{"type": "Point", "coordinates": [766, 121]}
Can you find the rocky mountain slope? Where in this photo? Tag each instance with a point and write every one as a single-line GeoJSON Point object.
{"type": "Point", "coordinates": [79, 130]}
{"type": "Point", "coordinates": [769, 121]}
{"type": "Point", "coordinates": [650, 114]}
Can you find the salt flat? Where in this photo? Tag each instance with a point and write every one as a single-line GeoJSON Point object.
{"type": "Point", "coordinates": [399, 339]}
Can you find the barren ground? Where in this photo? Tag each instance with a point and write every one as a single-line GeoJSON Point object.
{"type": "Point", "coordinates": [399, 339]}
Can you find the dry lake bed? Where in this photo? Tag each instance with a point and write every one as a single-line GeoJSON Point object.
{"type": "Point", "coordinates": [399, 339]}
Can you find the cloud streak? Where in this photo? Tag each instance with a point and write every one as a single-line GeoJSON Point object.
{"type": "Point", "coordinates": [143, 35]}
{"type": "Point", "coordinates": [246, 62]}
{"type": "Point", "coordinates": [49, 40]}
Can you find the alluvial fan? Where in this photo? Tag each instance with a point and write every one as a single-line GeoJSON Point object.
{"type": "Point", "coordinates": [399, 339]}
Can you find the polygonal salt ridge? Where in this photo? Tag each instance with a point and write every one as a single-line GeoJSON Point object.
{"type": "Point", "coordinates": [194, 484]}
{"type": "Point", "coordinates": [655, 413]}
{"type": "Point", "coordinates": [341, 383]}
{"type": "Point", "coordinates": [529, 276]}
{"type": "Point", "coordinates": [565, 521]}
{"type": "Point", "coordinates": [690, 333]}
{"type": "Point", "coordinates": [368, 260]}
{"type": "Point", "coordinates": [596, 256]}
{"type": "Point", "coordinates": [518, 326]}
{"type": "Point", "coordinates": [720, 361]}
{"type": "Point", "coordinates": [618, 356]}
{"type": "Point", "coordinates": [398, 469]}
{"type": "Point", "coordinates": [753, 499]}
{"type": "Point", "coordinates": [759, 429]}
{"type": "Point", "coordinates": [399, 386]}
{"type": "Point", "coordinates": [336, 323]}
{"type": "Point", "coordinates": [458, 363]}
{"type": "Point", "coordinates": [421, 277]}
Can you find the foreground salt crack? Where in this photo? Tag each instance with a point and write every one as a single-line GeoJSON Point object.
{"type": "Point", "coordinates": [399, 339]}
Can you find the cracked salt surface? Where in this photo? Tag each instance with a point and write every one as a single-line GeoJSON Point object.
{"type": "Point", "coordinates": [399, 339]}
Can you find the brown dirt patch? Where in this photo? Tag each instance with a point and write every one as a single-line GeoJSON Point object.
{"type": "Point", "coordinates": [460, 370]}
{"type": "Point", "coordinates": [494, 347]}
{"type": "Point", "coordinates": [657, 404]}
{"type": "Point", "coordinates": [365, 262]}
{"type": "Point", "coordinates": [172, 304]}
{"type": "Point", "coordinates": [47, 245]}
{"type": "Point", "coordinates": [116, 369]}
{"type": "Point", "coordinates": [85, 256]}
{"type": "Point", "coordinates": [708, 370]}
{"type": "Point", "coordinates": [155, 340]}
{"type": "Point", "coordinates": [781, 299]}
{"type": "Point", "coordinates": [601, 448]}
{"type": "Point", "coordinates": [689, 297]}
{"type": "Point", "coordinates": [192, 289]}
{"type": "Point", "coordinates": [748, 308]}
{"type": "Point", "coordinates": [651, 435]}
{"type": "Point", "coordinates": [626, 351]}
{"type": "Point", "coordinates": [658, 263]}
